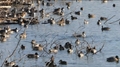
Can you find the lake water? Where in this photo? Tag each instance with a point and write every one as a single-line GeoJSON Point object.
{"type": "Point", "coordinates": [47, 34]}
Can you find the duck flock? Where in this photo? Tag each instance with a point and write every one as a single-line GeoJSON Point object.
{"type": "Point", "coordinates": [60, 33]}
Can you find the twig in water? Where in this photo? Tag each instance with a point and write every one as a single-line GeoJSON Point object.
{"type": "Point", "coordinates": [109, 19]}
{"type": "Point", "coordinates": [12, 52]}
{"type": "Point", "coordinates": [114, 21]}
{"type": "Point", "coordinates": [101, 47]}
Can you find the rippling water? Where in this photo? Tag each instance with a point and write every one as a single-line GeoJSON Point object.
{"type": "Point", "coordinates": [62, 34]}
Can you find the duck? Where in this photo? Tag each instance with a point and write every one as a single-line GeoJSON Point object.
{"type": "Point", "coordinates": [62, 62]}
{"type": "Point", "coordinates": [2, 31]}
{"type": "Point", "coordinates": [15, 30]}
{"type": "Point", "coordinates": [77, 42]}
{"type": "Point", "coordinates": [33, 41]}
{"type": "Point", "coordinates": [104, 1]}
{"type": "Point", "coordinates": [73, 18]}
{"type": "Point", "coordinates": [56, 47]}
{"type": "Point", "coordinates": [98, 22]}
{"type": "Point", "coordinates": [57, 11]}
{"type": "Point", "coordinates": [23, 35]}
{"type": "Point", "coordinates": [68, 5]}
{"type": "Point", "coordinates": [91, 15]}
{"type": "Point", "coordinates": [67, 21]}
{"type": "Point", "coordinates": [61, 22]}
{"type": "Point", "coordinates": [53, 50]}
{"type": "Point", "coordinates": [62, 13]}
{"type": "Point", "coordinates": [49, 4]}
{"type": "Point", "coordinates": [113, 59]}
{"type": "Point", "coordinates": [51, 62]}
{"type": "Point", "coordinates": [105, 28]}
{"type": "Point", "coordinates": [93, 50]}
{"type": "Point", "coordinates": [42, 11]}
{"type": "Point", "coordinates": [114, 5]}
{"type": "Point", "coordinates": [10, 64]}
{"type": "Point", "coordinates": [81, 8]}
{"type": "Point", "coordinates": [61, 47]}
{"type": "Point", "coordinates": [3, 39]}
{"type": "Point", "coordinates": [43, 3]}
{"type": "Point", "coordinates": [88, 49]}
{"type": "Point", "coordinates": [8, 28]}
{"type": "Point", "coordinates": [38, 2]}
{"type": "Point", "coordinates": [80, 35]}
{"type": "Point", "coordinates": [37, 47]}
{"type": "Point", "coordinates": [83, 34]}
{"type": "Point", "coordinates": [68, 45]}
{"type": "Point", "coordinates": [103, 18]}
{"type": "Point", "coordinates": [81, 54]}
{"type": "Point", "coordinates": [77, 12]}
{"type": "Point", "coordinates": [22, 47]}
{"type": "Point", "coordinates": [51, 21]}
{"type": "Point", "coordinates": [33, 55]}
{"type": "Point", "coordinates": [85, 21]}
{"type": "Point", "coordinates": [70, 50]}
{"type": "Point", "coordinates": [15, 66]}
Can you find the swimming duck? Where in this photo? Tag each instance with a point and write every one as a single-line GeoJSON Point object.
{"type": "Point", "coordinates": [113, 59]}
{"type": "Point", "coordinates": [49, 4]}
{"type": "Point", "coordinates": [62, 62]}
{"type": "Point", "coordinates": [68, 5]}
{"type": "Point", "coordinates": [61, 47]}
{"type": "Point", "coordinates": [91, 15]}
{"type": "Point", "coordinates": [33, 42]}
{"type": "Point", "coordinates": [70, 50]}
{"type": "Point", "coordinates": [81, 8]}
{"type": "Point", "coordinates": [88, 49]}
{"type": "Point", "coordinates": [85, 21]}
{"type": "Point", "coordinates": [98, 22]}
{"type": "Point", "coordinates": [23, 35]}
{"type": "Point", "coordinates": [93, 50]}
{"type": "Point", "coordinates": [81, 54]}
{"type": "Point", "coordinates": [2, 31]}
{"type": "Point", "coordinates": [8, 28]}
{"type": "Point", "coordinates": [10, 64]}
{"type": "Point", "coordinates": [33, 55]}
{"type": "Point", "coordinates": [114, 5]}
{"type": "Point", "coordinates": [83, 34]}
{"type": "Point", "coordinates": [15, 66]}
{"type": "Point", "coordinates": [73, 18]}
{"type": "Point", "coordinates": [105, 28]}
{"type": "Point", "coordinates": [103, 18]}
{"type": "Point", "coordinates": [42, 11]}
{"type": "Point", "coordinates": [51, 62]}
{"type": "Point", "coordinates": [53, 50]}
{"type": "Point", "coordinates": [104, 1]}
{"type": "Point", "coordinates": [77, 12]}
{"type": "Point", "coordinates": [57, 11]}
{"type": "Point", "coordinates": [77, 42]}
{"type": "Point", "coordinates": [68, 45]}
{"type": "Point", "coordinates": [43, 3]}
{"type": "Point", "coordinates": [3, 39]}
{"type": "Point", "coordinates": [15, 30]}
{"type": "Point", "coordinates": [67, 21]}
{"type": "Point", "coordinates": [80, 35]}
{"type": "Point", "coordinates": [61, 22]}
{"type": "Point", "coordinates": [22, 47]}
{"type": "Point", "coordinates": [51, 21]}
{"type": "Point", "coordinates": [37, 47]}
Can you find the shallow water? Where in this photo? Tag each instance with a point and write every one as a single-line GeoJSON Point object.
{"type": "Point", "coordinates": [46, 33]}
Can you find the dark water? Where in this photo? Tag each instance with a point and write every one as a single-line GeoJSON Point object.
{"type": "Point", "coordinates": [43, 33]}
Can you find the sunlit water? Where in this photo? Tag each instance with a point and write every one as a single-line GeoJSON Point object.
{"type": "Point", "coordinates": [47, 34]}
